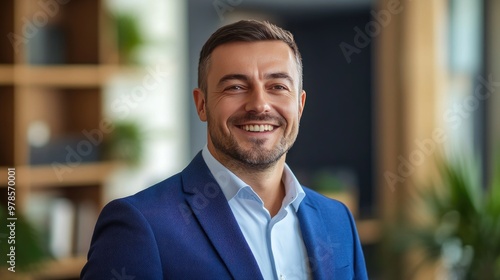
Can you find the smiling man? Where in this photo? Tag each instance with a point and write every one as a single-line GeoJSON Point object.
{"type": "Point", "coordinates": [236, 211]}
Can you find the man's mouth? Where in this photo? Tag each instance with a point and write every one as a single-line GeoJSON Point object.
{"type": "Point", "coordinates": [257, 127]}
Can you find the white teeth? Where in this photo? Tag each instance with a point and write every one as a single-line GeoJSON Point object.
{"type": "Point", "coordinates": [258, 128]}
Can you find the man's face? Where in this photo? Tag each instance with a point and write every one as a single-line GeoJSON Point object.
{"type": "Point", "coordinates": [252, 106]}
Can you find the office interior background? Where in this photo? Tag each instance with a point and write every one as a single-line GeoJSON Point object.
{"type": "Point", "coordinates": [403, 98]}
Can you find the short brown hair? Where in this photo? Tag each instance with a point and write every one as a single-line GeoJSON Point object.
{"type": "Point", "coordinates": [245, 31]}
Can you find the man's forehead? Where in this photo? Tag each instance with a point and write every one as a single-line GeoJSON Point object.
{"type": "Point", "coordinates": [265, 44]}
{"type": "Point", "coordinates": [240, 55]}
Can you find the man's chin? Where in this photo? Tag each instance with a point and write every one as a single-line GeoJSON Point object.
{"type": "Point", "coordinates": [259, 157]}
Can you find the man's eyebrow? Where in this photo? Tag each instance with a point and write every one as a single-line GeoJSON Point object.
{"type": "Point", "coordinates": [245, 78]}
{"type": "Point", "coordinates": [279, 75]}
{"type": "Point", "coordinates": [232, 77]}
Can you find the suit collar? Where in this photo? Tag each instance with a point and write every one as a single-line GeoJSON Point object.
{"type": "Point", "coordinates": [231, 184]}
{"type": "Point", "coordinates": [212, 211]}
{"type": "Point", "coordinates": [316, 240]}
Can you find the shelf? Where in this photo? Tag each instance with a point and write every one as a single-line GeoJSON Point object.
{"type": "Point", "coordinates": [75, 76]}
{"type": "Point", "coordinates": [369, 231]}
{"type": "Point", "coordinates": [46, 176]}
{"type": "Point", "coordinates": [40, 177]}
{"type": "Point", "coordinates": [61, 269]}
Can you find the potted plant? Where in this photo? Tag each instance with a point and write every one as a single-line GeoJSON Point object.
{"type": "Point", "coordinates": [462, 225]}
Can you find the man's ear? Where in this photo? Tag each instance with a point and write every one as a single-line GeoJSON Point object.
{"type": "Point", "coordinates": [200, 103]}
{"type": "Point", "coordinates": [302, 102]}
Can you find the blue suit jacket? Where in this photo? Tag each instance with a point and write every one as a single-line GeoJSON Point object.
{"type": "Point", "coordinates": [183, 228]}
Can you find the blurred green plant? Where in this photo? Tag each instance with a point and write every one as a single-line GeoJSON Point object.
{"type": "Point", "coordinates": [129, 37]}
{"type": "Point", "coordinates": [27, 241]}
{"type": "Point", "coordinates": [462, 228]}
{"type": "Point", "coordinates": [125, 143]}
{"type": "Point", "coordinates": [326, 181]}
{"type": "Point", "coordinates": [333, 180]}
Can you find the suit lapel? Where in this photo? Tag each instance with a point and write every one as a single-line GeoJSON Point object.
{"type": "Point", "coordinates": [316, 240]}
{"type": "Point", "coordinates": [211, 209]}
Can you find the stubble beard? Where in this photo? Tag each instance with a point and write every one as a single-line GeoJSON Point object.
{"type": "Point", "coordinates": [256, 157]}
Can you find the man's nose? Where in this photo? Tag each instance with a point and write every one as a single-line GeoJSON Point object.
{"type": "Point", "coordinates": [258, 101]}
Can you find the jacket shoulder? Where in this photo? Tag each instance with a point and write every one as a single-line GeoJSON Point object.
{"type": "Point", "coordinates": [161, 192]}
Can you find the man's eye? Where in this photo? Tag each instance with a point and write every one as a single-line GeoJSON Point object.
{"type": "Point", "coordinates": [279, 87]}
{"type": "Point", "coordinates": [235, 87]}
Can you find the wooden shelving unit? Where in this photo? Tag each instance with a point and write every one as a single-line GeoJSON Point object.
{"type": "Point", "coordinates": [54, 61]}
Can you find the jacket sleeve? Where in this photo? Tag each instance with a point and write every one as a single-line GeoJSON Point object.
{"type": "Point", "coordinates": [123, 246]}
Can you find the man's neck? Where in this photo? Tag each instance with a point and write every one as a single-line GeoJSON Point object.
{"type": "Point", "coordinates": [267, 182]}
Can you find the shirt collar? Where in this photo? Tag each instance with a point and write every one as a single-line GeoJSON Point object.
{"type": "Point", "coordinates": [230, 184]}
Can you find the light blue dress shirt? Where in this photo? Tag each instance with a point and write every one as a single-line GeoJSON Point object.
{"type": "Point", "coordinates": [276, 242]}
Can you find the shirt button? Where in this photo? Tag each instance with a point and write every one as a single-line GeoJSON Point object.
{"type": "Point", "coordinates": [282, 277]}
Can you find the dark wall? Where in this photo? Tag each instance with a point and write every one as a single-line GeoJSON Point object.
{"type": "Point", "coordinates": [336, 128]}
